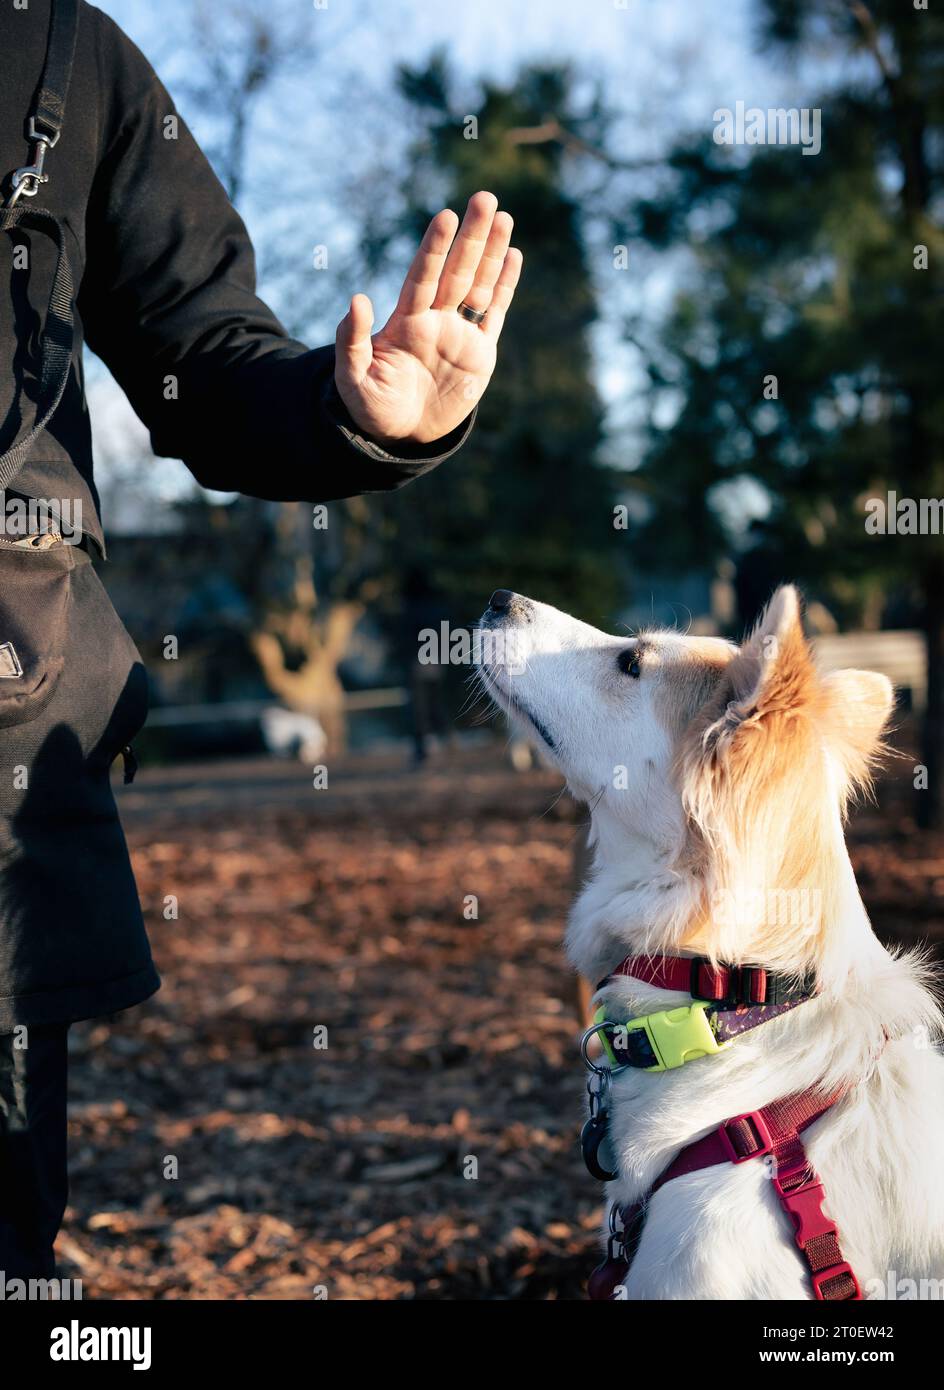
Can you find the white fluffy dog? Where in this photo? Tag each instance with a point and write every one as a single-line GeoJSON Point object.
{"type": "Point", "coordinates": [717, 778]}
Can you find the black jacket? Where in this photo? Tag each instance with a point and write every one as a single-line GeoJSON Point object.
{"type": "Point", "coordinates": [165, 289]}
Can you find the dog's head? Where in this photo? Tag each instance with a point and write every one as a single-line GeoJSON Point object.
{"type": "Point", "coordinates": [724, 767]}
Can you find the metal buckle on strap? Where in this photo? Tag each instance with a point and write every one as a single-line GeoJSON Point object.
{"type": "Point", "coordinates": [25, 182]}
{"type": "Point", "coordinates": [33, 133]}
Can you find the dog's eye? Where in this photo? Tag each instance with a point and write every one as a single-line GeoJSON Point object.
{"type": "Point", "coordinates": [628, 662]}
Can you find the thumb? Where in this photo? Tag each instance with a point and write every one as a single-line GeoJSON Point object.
{"type": "Point", "coordinates": [353, 347]}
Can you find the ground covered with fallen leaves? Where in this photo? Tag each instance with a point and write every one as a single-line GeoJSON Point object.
{"type": "Point", "coordinates": [360, 1079]}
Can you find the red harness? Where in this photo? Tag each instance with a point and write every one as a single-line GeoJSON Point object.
{"type": "Point", "coordinates": [773, 1131]}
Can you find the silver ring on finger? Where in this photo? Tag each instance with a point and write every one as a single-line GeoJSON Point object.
{"type": "Point", "coordinates": [473, 315]}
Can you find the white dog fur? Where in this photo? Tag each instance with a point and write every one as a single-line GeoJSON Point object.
{"type": "Point", "coordinates": [717, 779]}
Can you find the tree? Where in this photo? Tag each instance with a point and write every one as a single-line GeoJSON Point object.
{"type": "Point", "coordinates": [802, 358]}
{"type": "Point", "coordinates": [527, 504]}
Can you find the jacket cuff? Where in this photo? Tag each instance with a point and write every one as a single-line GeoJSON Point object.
{"type": "Point", "coordinates": [412, 459]}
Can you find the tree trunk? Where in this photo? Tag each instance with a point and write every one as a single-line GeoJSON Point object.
{"type": "Point", "coordinates": [314, 687]}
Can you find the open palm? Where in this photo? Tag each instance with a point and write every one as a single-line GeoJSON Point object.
{"type": "Point", "coordinates": [421, 375]}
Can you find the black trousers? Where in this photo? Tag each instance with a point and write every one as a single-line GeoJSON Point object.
{"type": "Point", "coordinates": [34, 1184]}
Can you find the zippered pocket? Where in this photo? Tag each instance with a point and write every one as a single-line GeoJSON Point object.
{"type": "Point", "coordinates": [36, 540]}
{"type": "Point", "coordinates": [35, 600]}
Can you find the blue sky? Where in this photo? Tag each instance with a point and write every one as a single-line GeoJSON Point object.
{"type": "Point", "coordinates": [666, 65]}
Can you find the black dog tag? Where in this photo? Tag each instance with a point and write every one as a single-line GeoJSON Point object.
{"type": "Point", "coordinates": [597, 1151]}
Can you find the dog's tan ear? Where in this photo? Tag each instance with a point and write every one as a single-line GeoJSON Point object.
{"type": "Point", "coordinates": [773, 674]}
{"type": "Point", "coordinates": [754, 733]}
{"type": "Point", "coordinates": [857, 706]}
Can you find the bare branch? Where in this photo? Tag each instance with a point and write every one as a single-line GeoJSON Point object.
{"type": "Point", "coordinates": [552, 132]}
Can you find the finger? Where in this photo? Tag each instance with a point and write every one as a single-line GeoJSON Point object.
{"type": "Point", "coordinates": [353, 346]}
{"type": "Point", "coordinates": [490, 266]}
{"type": "Point", "coordinates": [463, 259]}
{"type": "Point", "coordinates": [504, 292]}
{"type": "Point", "coordinates": [422, 280]}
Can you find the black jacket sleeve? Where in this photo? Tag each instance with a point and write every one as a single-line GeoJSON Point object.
{"type": "Point", "coordinates": [168, 301]}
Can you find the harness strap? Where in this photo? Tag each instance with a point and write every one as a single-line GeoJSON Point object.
{"type": "Point", "coordinates": [56, 351]}
{"type": "Point", "coordinates": [773, 1130]}
{"type": "Point", "coordinates": [801, 1196]}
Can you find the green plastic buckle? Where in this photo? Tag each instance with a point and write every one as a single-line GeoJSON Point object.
{"type": "Point", "coordinates": [676, 1036]}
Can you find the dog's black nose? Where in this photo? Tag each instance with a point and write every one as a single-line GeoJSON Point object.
{"type": "Point", "coordinates": [500, 600]}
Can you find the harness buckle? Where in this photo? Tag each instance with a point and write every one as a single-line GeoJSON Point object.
{"type": "Point", "coordinates": [805, 1206]}
{"type": "Point", "coordinates": [677, 1036]}
{"type": "Point", "coordinates": [757, 1122]}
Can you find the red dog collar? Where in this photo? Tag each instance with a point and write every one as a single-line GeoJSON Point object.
{"type": "Point", "coordinates": [734, 985]}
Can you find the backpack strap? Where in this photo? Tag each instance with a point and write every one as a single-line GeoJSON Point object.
{"type": "Point", "coordinates": [58, 329]}
{"type": "Point", "coordinates": [44, 126]}
{"type": "Point", "coordinates": [45, 122]}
